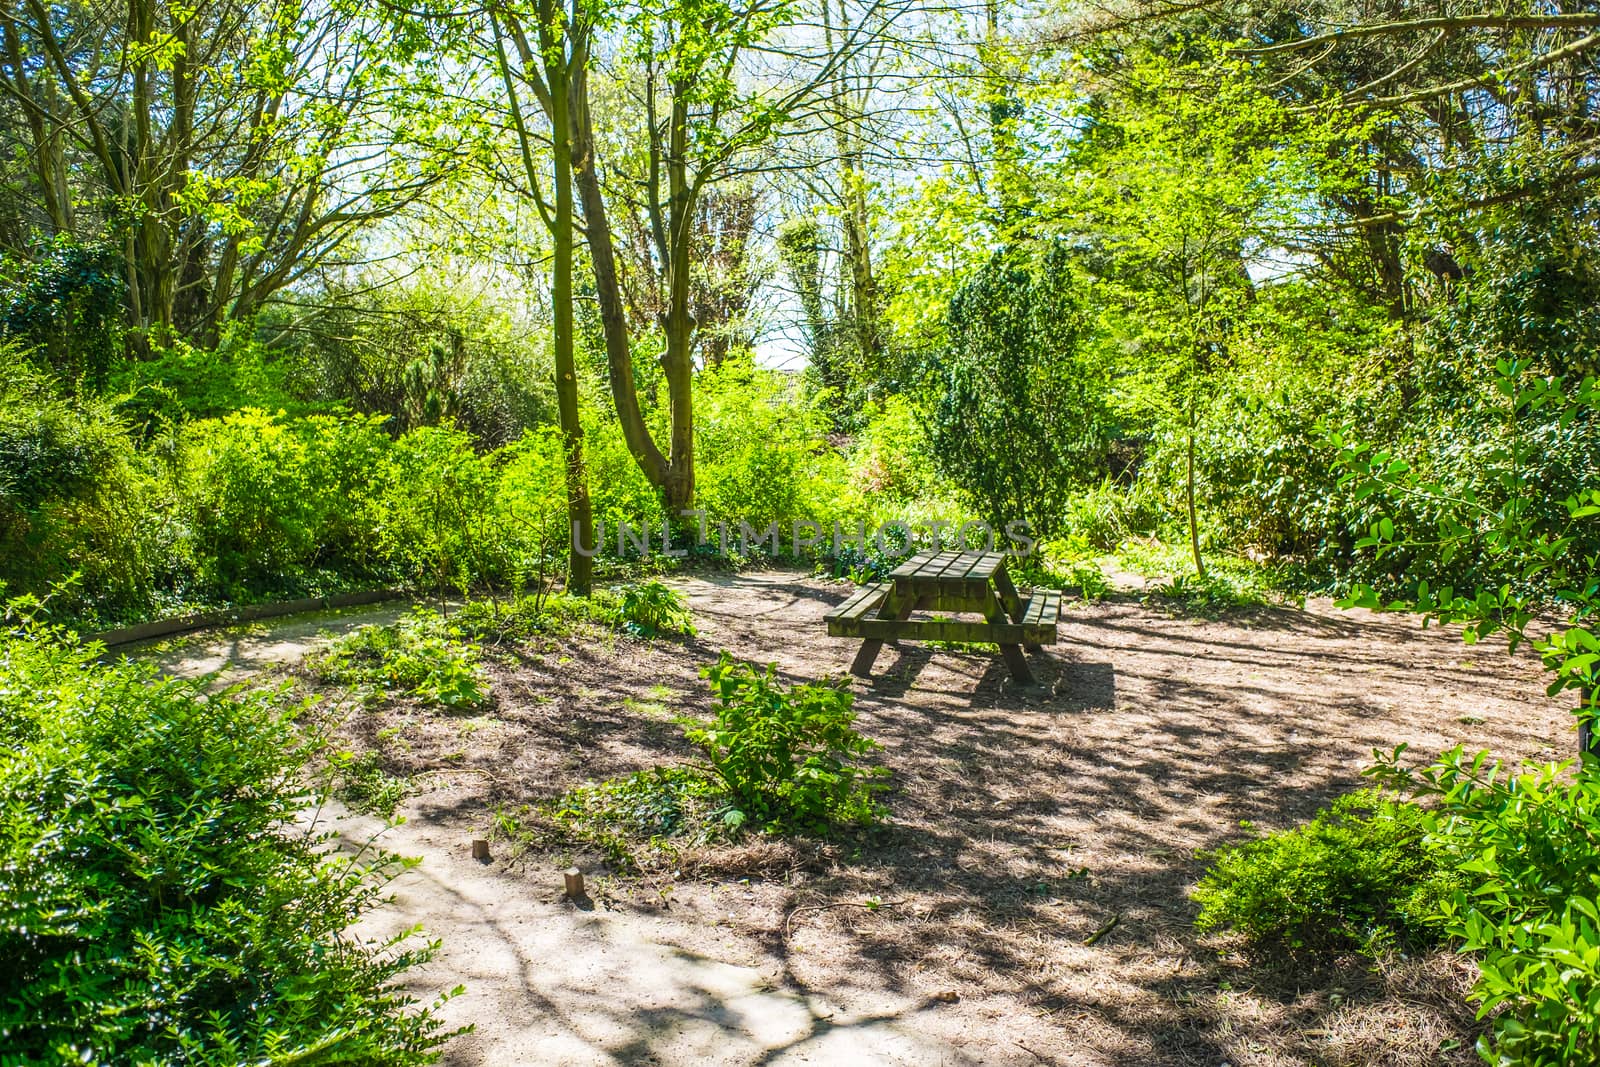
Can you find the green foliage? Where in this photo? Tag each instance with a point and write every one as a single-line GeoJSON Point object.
{"type": "Point", "coordinates": [156, 903]}
{"type": "Point", "coordinates": [788, 756]}
{"type": "Point", "coordinates": [756, 443]}
{"type": "Point", "coordinates": [182, 381]}
{"type": "Point", "coordinates": [62, 305]}
{"type": "Point", "coordinates": [363, 784]}
{"type": "Point", "coordinates": [266, 496]}
{"type": "Point", "coordinates": [1506, 544]}
{"type": "Point", "coordinates": [421, 655]}
{"type": "Point", "coordinates": [650, 608]}
{"type": "Point", "coordinates": [1526, 849]}
{"type": "Point", "coordinates": [423, 352]}
{"type": "Point", "coordinates": [1017, 413]}
{"type": "Point", "coordinates": [1355, 877]}
{"type": "Point", "coordinates": [645, 812]}
{"type": "Point", "coordinates": [436, 520]}
{"type": "Point", "coordinates": [75, 499]}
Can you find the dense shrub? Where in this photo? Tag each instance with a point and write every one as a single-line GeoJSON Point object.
{"type": "Point", "coordinates": [267, 498]}
{"type": "Point", "coordinates": [180, 382]}
{"type": "Point", "coordinates": [62, 305]}
{"type": "Point", "coordinates": [436, 521]}
{"type": "Point", "coordinates": [75, 497]}
{"type": "Point", "coordinates": [788, 756]}
{"type": "Point", "coordinates": [1356, 876]}
{"type": "Point", "coordinates": [156, 903]}
{"type": "Point", "coordinates": [756, 441]}
{"type": "Point", "coordinates": [1527, 849]}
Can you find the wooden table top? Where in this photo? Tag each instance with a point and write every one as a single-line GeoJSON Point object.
{"type": "Point", "coordinates": [950, 566]}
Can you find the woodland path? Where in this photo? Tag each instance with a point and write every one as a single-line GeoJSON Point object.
{"type": "Point", "coordinates": [1023, 822]}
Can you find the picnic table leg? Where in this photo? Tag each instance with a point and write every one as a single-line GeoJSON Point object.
{"type": "Point", "coordinates": [1012, 654]}
{"type": "Point", "coordinates": [1012, 600]}
{"type": "Point", "coordinates": [892, 608]}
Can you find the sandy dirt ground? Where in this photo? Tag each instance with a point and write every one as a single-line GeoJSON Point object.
{"type": "Point", "coordinates": [1027, 902]}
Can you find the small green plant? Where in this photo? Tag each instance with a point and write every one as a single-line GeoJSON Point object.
{"type": "Point", "coordinates": [1357, 876]}
{"type": "Point", "coordinates": [651, 608]}
{"type": "Point", "coordinates": [641, 812]}
{"type": "Point", "coordinates": [421, 655]}
{"type": "Point", "coordinates": [363, 784]}
{"type": "Point", "coordinates": [788, 756]}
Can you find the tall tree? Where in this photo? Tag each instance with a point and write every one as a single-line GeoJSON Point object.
{"type": "Point", "coordinates": [686, 65]}
{"type": "Point", "coordinates": [226, 147]}
{"type": "Point", "coordinates": [548, 57]}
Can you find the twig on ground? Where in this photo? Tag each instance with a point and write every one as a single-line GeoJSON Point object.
{"type": "Point", "coordinates": [788, 923]}
{"type": "Point", "coordinates": [1102, 932]}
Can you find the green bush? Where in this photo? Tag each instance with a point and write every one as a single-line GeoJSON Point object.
{"type": "Point", "coordinates": [180, 382]}
{"type": "Point", "coordinates": [156, 903]}
{"type": "Point", "coordinates": [1357, 876]}
{"type": "Point", "coordinates": [650, 608]}
{"type": "Point", "coordinates": [421, 655]}
{"type": "Point", "coordinates": [76, 497]}
{"type": "Point", "coordinates": [788, 756]}
{"type": "Point", "coordinates": [268, 498]}
{"type": "Point", "coordinates": [1018, 413]}
{"type": "Point", "coordinates": [1527, 851]}
{"type": "Point", "coordinates": [437, 522]}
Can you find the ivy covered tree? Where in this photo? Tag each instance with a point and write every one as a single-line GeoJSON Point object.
{"type": "Point", "coordinates": [1017, 415]}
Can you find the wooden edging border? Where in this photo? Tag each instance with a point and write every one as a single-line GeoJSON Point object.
{"type": "Point", "coordinates": [203, 620]}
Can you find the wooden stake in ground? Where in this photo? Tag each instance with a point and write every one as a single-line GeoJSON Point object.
{"type": "Point", "coordinates": [574, 880]}
{"type": "Point", "coordinates": [480, 850]}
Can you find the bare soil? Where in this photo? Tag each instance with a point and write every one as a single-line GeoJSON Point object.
{"type": "Point", "coordinates": [1028, 901]}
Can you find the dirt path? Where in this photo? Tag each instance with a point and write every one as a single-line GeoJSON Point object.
{"type": "Point", "coordinates": [1023, 823]}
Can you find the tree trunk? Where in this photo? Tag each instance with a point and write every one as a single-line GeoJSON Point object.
{"type": "Point", "coordinates": [1194, 524]}
{"type": "Point", "coordinates": [580, 556]}
{"type": "Point", "coordinates": [674, 477]}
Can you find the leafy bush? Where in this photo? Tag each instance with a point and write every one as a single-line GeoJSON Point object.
{"type": "Point", "coordinates": [63, 305]}
{"type": "Point", "coordinates": [437, 521]}
{"type": "Point", "coordinates": [787, 756]}
{"type": "Point", "coordinates": [1527, 849]}
{"type": "Point", "coordinates": [755, 444]}
{"type": "Point", "coordinates": [180, 382]}
{"type": "Point", "coordinates": [421, 655]}
{"type": "Point", "coordinates": [650, 608]}
{"type": "Point", "coordinates": [267, 497]}
{"type": "Point", "coordinates": [156, 905]}
{"type": "Point", "coordinates": [1018, 407]}
{"type": "Point", "coordinates": [1356, 876]}
{"type": "Point", "coordinates": [75, 497]}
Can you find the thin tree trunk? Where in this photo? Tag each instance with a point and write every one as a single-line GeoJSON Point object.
{"type": "Point", "coordinates": [674, 482]}
{"type": "Point", "coordinates": [580, 558]}
{"type": "Point", "coordinates": [1194, 523]}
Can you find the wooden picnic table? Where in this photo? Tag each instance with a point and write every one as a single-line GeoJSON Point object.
{"type": "Point", "coordinates": [949, 582]}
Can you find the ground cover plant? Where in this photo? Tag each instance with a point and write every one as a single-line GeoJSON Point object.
{"type": "Point", "coordinates": [422, 656]}
{"type": "Point", "coordinates": [157, 904]}
{"type": "Point", "coordinates": [774, 759]}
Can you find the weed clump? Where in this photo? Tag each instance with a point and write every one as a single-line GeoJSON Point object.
{"type": "Point", "coordinates": [422, 655]}
{"type": "Point", "coordinates": [777, 760]}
